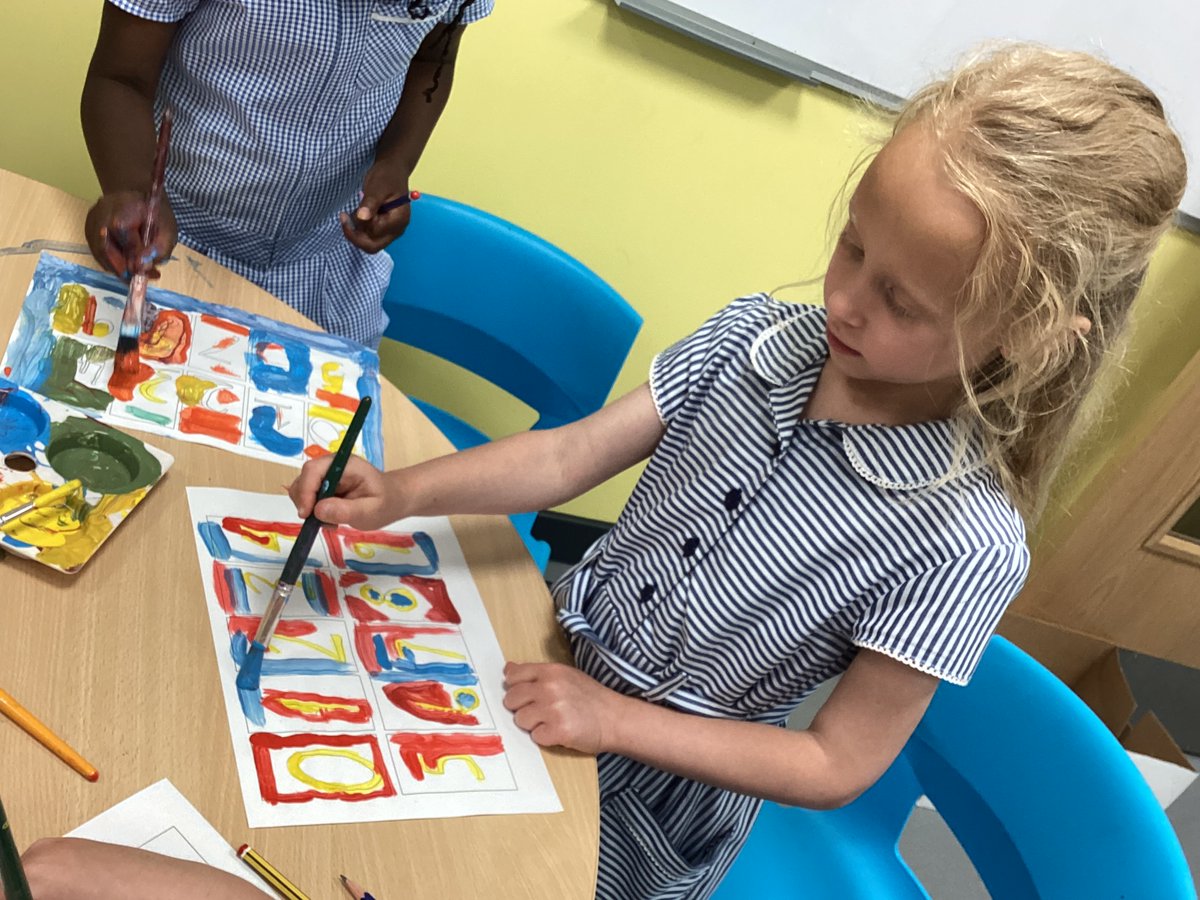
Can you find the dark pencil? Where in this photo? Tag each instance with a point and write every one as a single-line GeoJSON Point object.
{"type": "Point", "coordinates": [11, 873]}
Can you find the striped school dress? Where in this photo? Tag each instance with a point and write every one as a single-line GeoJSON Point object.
{"type": "Point", "coordinates": [757, 553]}
{"type": "Point", "coordinates": [278, 107]}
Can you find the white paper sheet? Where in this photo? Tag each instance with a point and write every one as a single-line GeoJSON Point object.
{"type": "Point", "coordinates": [381, 695]}
{"type": "Point", "coordinates": [161, 819]}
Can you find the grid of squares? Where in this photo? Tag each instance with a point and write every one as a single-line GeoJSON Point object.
{"type": "Point", "coordinates": [369, 691]}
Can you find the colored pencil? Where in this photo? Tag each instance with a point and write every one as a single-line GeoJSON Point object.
{"type": "Point", "coordinates": [47, 738]}
{"type": "Point", "coordinates": [128, 357]}
{"type": "Point", "coordinates": [398, 202]}
{"type": "Point", "coordinates": [12, 875]}
{"type": "Point", "coordinates": [270, 874]}
{"type": "Point", "coordinates": [354, 890]}
{"type": "Point", "coordinates": [251, 670]}
{"type": "Point", "coordinates": [46, 499]}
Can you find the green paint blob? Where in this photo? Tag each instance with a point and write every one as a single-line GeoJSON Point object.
{"type": "Point", "coordinates": [61, 385]}
{"type": "Point", "coordinates": [148, 416]}
{"type": "Point", "coordinates": [104, 459]}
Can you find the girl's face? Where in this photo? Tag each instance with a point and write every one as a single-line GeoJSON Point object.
{"type": "Point", "coordinates": [895, 277]}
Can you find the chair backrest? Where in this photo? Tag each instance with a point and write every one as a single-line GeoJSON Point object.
{"type": "Point", "coordinates": [1038, 792]}
{"type": "Point", "coordinates": [509, 306]}
{"type": "Point", "coordinates": [1045, 802]}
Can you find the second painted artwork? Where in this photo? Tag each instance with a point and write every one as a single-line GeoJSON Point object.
{"type": "Point", "coordinates": [209, 374]}
{"type": "Point", "coordinates": [381, 693]}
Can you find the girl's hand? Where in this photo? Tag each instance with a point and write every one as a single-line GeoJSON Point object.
{"type": "Point", "coordinates": [113, 229]}
{"type": "Point", "coordinates": [369, 229]}
{"type": "Point", "coordinates": [364, 497]}
{"type": "Point", "coordinates": [561, 706]}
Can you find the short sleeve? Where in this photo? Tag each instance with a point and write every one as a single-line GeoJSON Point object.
{"type": "Point", "coordinates": [472, 10]}
{"type": "Point", "coordinates": [157, 10]}
{"type": "Point", "coordinates": [676, 370]}
{"type": "Point", "coordinates": [940, 621]}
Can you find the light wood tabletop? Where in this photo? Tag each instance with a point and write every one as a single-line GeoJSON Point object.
{"type": "Point", "coordinates": [118, 659]}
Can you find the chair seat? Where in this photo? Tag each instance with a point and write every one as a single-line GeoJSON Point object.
{"type": "Point", "coordinates": [464, 436]}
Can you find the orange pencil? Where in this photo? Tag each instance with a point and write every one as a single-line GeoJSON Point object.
{"type": "Point", "coordinates": [51, 741]}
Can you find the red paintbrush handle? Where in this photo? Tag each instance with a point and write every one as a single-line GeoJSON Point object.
{"type": "Point", "coordinates": [157, 176]}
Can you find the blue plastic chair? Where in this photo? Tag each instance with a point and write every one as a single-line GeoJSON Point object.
{"type": "Point", "coordinates": [512, 308]}
{"type": "Point", "coordinates": [1045, 802]}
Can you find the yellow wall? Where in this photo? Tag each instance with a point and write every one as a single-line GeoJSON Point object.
{"type": "Point", "coordinates": [681, 174]}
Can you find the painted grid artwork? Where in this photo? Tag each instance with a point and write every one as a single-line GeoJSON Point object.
{"type": "Point", "coordinates": [210, 374]}
{"type": "Point", "coordinates": [381, 693]}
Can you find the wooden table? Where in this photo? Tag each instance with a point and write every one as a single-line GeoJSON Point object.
{"type": "Point", "coordinates": [118, 659]}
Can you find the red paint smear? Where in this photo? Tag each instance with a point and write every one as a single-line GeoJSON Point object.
{"type": "Point", "coordinates": [224, 395]}
{"type": "Point", "coordinates": [89, 315]}
{"type": "Point", "coordinates": [248, 625]}
{"type": "Point", "coordinates": [427, 700]}
{"type": "Point", "coordinates": [262, 743]}
{"type": "Point", "coordinates": [340, 401]}
{"type": "Point", "coordinates": [258, 530]}
{"type": "Point", "coordinates": [225, 324]}
{"type": "Point", "coordinates": [223, 370]}
{"type": "Point", "coordinates": [312, 451]}
{"type": "Point", "coordinates": [121, 385]}
{"type": "Point", "coordinates": [221, 586]}
{"type": "Point", "coordinates": [198, 420]}
{"type": "Point", "coordinates": [433, 590]}
{"type": "Point", "coordinates": [169, 338]}
{"type": "Point", "coordinates": [273, 700]}
{"type": "Point", "coordinates": [329, 592]}
{"type": "Point", "coordinates": [363, 611]}
{"type": "Point", "coordinates": [335, 540]}
{"type": "Point", "coordinates": [430, 748]}
{"type": "Point", "coordinates": [8, 370]}
{"type": "Point", "coordinates": [224, 343]}
{"type": "Point", "coordinates": [349, 579]}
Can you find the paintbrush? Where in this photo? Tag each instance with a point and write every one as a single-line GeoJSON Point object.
{"type": "Point", "coordinates": [128, 357]}
{"type": "Point", "coordinates": [251, 670]}
{"type": "Point", "coordinates": [47, 499]}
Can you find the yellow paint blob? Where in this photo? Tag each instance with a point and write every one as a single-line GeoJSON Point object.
{"type": "Point", "coordinates": [146, 388]}
{"type": "Point", "coordinates": [51, 526]}
{"type": "Point", "coordinates": [97, 525]}
{"type": "Point", "coordinates": [191, 389]}
{"type": "Point", "coordinates": [363, 787]}
{"type": "Point", "coordinates": [71, 308]}
{"type": "Point", "coordinates": [331, 377]}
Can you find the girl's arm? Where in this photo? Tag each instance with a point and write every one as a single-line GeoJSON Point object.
{"type": "Point", "coordinates": [403, 141]}
{"type": "Point", "coordinates": [117, 113]}
{"type": "Point", "coordinates": [75, 869]}
{"type": "Point", "coordinates": [856, 735]}
{"type": "Point", "coordinates": [527, 471]}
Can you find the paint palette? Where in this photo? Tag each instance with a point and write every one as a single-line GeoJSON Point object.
{"type": "Point", "coordinates": [44, 444]}
{"type": "Point", "coordinates": [208, 374]}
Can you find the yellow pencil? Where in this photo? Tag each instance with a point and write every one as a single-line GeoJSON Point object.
{"type": "Point", "coordinates": [51, 741]}
{"type": "Point", "coordinates": [270, 874]}
{"type": "Point", "coordinates": [47, 499]}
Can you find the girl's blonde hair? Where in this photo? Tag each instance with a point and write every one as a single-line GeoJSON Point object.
{"type": "Point", "coordinates": [1077, 173]}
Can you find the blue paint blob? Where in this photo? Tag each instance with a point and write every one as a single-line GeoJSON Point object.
{"type": "Point", "coordinates": [262, 428]}
{"type": "Point", "coordinates": [267, 377]}
{"type": "Point", "coordinates": [24, 424]}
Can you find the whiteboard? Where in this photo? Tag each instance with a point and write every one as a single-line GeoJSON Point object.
{"type": "Point", "coordinates": [883, 50]}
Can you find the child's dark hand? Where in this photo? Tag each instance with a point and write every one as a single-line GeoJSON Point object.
{"type": "Point", "coordinates": [363, 497]}
{"type": "Point", "coordinates": [114, 234]}
{"type": "Point", "coordinates": [372, 230]}
{"type": "Point", "coordinates": [561, 706]}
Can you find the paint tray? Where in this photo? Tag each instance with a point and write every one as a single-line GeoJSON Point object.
{"type": "Point", "coordinates": [44, 444]}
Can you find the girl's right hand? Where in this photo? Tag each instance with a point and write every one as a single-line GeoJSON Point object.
{"type": "Point", "coordinates": [114, 228]}
{"type": "Point", "coordinates": [364, 496]}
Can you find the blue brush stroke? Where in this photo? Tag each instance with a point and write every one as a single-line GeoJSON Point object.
{"type": "Point", "coordinates": [239, 644]}
{"type": "Point", "coordinates": [423, 541]}
{"type": "Point", "coordinates": [29, 353]}
{"type": "Point", "coordinates": [267, 377]}
{"type": "Point", "coordinates": [237, 590]}
{"type": "Point", "coordinates": [406, 668]}
{"type": "Point", "coordinates": [262, 427]}
{"type": "Point", "coordinates": [314, 593]}
{"type": "Point", "coordinates": [252, 707]}
{"type": "Point", "coordinates": [217, 545]}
